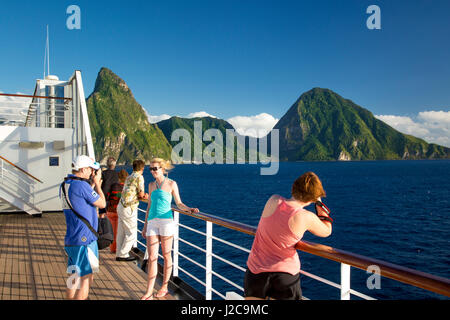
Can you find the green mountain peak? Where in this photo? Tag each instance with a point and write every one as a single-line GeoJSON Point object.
{"type": "Point", "coordinates": [322, 125]}
{"type": "Point", "coordinates": [119, 124]}
{"type": "Point", "coordinates": [107, 79]}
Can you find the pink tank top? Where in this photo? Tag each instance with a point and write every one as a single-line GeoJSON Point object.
{"type": "Point", "coordinates": [273, 248]}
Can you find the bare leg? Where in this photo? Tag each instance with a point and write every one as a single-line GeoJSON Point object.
{"type": "Point", "coordinates": [166, 247]}
{"type": "Point", "coordinates": [152, 247]}
{"type": "Point", "coordinates": [82, 292]}
{"type": "Point", "coordinates": [70, 293]}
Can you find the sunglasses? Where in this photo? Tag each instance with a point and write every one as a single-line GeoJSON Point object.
{"type": "Point", "coordinates": [154, 168]}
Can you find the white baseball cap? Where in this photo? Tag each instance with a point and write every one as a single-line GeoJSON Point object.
{"type": "Point", "coordinates": [85, 162]}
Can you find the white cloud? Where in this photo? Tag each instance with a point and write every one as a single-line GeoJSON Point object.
{"type": "Point", "coordinates": [404, 125]}
{"type": "Point", "coordinates": [14, 109]}
{"type": "Point", "coordinates": [199, 115]}
{"type": "Point", "coordinates": [155, 119]}
{"type": "Point", "coordinates": [436, 117]}
{"type": "Point", "coordinates": [431, 126]}
{"type": "Point", "coordinates": [254, 126]}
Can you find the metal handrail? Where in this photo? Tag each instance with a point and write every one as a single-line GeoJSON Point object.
{"type": "Point", "coordinates": [19, 168]}
{"type": "Point", "coordinates": [32, 107]}
{"type": "Point", "coordinates": [409, 276]}
{"type": "Point", "coordinates": [34, 96]}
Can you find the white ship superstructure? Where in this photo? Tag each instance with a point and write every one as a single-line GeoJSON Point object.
{"type": "Point", "coordinates": [40, 135]}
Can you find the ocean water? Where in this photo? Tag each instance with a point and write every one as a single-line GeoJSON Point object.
{"type": "Point", "coordinates": [396, 211]}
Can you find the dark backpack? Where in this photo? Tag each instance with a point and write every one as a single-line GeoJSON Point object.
{"type": "Point", "coordinates": [105, 232]}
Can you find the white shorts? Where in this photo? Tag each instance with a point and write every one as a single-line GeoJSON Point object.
{"type": "Point", "coordinates": [160, 227]}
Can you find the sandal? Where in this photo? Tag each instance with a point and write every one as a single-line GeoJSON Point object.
{"type": "Point", "coordinates": [161, 293]}
{"type": "Point", "coordinates": [150, 297]}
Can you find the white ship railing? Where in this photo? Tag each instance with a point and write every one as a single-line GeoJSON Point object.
{"type": "Point", "coordinates": [17, 181]}
{"type": "Point", "coordinates": [346, 259]}
{"type": "Point", "coordinates": [23, 110]}
{"type": "Point", "coordinates": [14, 115]}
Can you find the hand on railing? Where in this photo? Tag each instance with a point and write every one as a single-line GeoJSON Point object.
{"type": "Point", "coordinates": [194, 210]}
{"type": "Point", "coordinates": [144, 198]}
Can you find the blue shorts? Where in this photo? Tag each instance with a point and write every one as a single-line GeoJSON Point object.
{"type": "Point", "coordinates": [82, 259]}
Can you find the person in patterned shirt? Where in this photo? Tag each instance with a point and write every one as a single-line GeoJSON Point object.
{"type": "Point", "coordinates": [133, 191]}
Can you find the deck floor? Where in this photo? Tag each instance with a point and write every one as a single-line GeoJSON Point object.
{"type": "Point", "coordinates": [33, 263]}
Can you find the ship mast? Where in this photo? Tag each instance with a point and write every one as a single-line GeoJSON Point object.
{"type": "Point", "coordinates": [47, 55]}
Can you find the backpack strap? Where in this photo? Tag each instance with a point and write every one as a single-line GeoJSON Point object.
{"type": "Point", "coordinates": [83, 219]}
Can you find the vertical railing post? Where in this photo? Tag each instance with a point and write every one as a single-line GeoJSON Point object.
{"type": "Point", "coordinates": [345, 281]}
{"type": "Point", "coordinates": [176, 219]}
{"type": "Point", "coordinates": [135, 244]}
{"type": "Point", "coordinates": [208, 264]}
{"type": "Point", "coordinates": [32, 193]}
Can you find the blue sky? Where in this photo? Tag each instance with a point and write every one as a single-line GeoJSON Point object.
{"type": "Point", "coordinates": [242, 58]}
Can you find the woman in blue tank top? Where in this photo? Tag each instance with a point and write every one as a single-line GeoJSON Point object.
{"type": "Point", "coordinates": [159, 225]}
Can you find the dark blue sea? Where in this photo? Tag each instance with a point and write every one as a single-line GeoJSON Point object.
{"type": "Point", "coordinates": [396, 211]}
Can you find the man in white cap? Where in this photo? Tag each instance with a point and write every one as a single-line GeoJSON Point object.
{"type": "Point", "coordinates": [80, 243]}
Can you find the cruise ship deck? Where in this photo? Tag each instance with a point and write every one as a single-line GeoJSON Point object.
{"type": "Point", "coordinates": [33, 263]}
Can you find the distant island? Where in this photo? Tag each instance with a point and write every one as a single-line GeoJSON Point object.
{"type": "Point", "coordinates": [320, 125]}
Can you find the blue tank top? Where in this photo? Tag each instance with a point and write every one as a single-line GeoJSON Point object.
{"type": "Point", "coordinates": [161, 206]}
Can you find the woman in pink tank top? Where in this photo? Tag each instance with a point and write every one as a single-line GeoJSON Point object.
{"type": "Point", "coordinates": [273, 264]}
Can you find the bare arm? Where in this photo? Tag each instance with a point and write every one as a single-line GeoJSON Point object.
{"type": "Point", "coordinates": [176, 197]}
{"type": "Point", "coordinates": [320, 228]}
